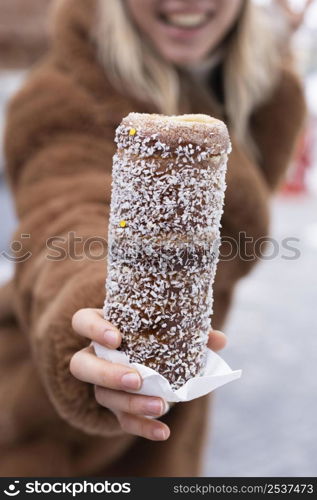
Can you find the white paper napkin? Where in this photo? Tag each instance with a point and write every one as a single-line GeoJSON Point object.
{"type": "Point", "coordinates": [217, 373]}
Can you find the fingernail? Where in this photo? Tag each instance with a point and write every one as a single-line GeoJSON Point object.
{"type": "Point", "coordinates": [111, 338]}
{"type": "Point", "coordinates": [166, 407]}
{"type": "Point", "coordinates": [154, 407]}
{"type": "Point", "coordinates": [160, 434]}
{"type": "Point", "coordinates": [131, 381]}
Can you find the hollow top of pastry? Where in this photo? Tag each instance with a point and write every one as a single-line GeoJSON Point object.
{"type": "Point", "coordinates": [194, 118]}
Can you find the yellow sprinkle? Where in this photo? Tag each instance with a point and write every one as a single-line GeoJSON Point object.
{"type": "Point", "coordinates": [122, 223]}
{"type": "Point", "coordinates": [132, 131]}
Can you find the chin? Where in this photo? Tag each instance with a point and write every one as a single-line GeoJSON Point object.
{"type": "Point", "coordinates": [185, 59]}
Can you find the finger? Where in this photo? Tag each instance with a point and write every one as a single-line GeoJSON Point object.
{"type": "Point", "coordinates": [306, 7]}
{"type": "Point", "coordinates": [143, 427]}
{"type": "Point", "coordinates": [284, 3]}
{"type": "Point", "coordinates": [130, 403]}
{"type": "Point", "coordinates": [217, 340]}
{"type": "Point", "coordinates": [85, 366]}
{"type": "Point", "coordinates": [90, 323]}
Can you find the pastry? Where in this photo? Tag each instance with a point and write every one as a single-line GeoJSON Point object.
{"type": "Point", "coordinates": [167, 200]}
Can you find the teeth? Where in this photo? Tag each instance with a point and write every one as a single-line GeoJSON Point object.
{"type": "Point", "coordinates": [186, 20]}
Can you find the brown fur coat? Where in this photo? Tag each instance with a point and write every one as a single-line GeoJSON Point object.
{"type": "Point", "coordinates": [59, 145]}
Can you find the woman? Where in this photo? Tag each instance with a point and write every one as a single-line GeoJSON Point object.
{"type": "Point", "coordinates": [109, 58]}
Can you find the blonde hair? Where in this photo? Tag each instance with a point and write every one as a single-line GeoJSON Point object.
{"type": "Point", "coordinates": [250, 61]}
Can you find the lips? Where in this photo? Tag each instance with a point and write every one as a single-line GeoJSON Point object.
{"type": "Point", "coordinates": [185, 20]}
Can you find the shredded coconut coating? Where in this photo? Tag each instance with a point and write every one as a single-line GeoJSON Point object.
{"type": "Point", "coordinates": [167, 200]}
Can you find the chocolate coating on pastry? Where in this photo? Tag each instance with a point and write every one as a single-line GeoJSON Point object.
{"type": "Point", "coordinates": [167, 200]}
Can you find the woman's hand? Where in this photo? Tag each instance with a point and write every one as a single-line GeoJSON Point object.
{"type": "Point", "coordinates": [112, 380]}
{"type": "Point", "coordinates": [295, 18]}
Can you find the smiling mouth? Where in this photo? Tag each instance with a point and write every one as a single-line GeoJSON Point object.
{"type": "Point", "coordinates": [185, 21]}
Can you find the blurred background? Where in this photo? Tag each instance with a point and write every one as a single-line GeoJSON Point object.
{"type": "Point", "coordinates": [264, 424]}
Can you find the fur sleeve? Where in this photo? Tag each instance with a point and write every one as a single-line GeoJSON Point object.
{"type": "Point", "coordinates": [57, 159]}
{"type": "Point", "coordinates": [276, 125]}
